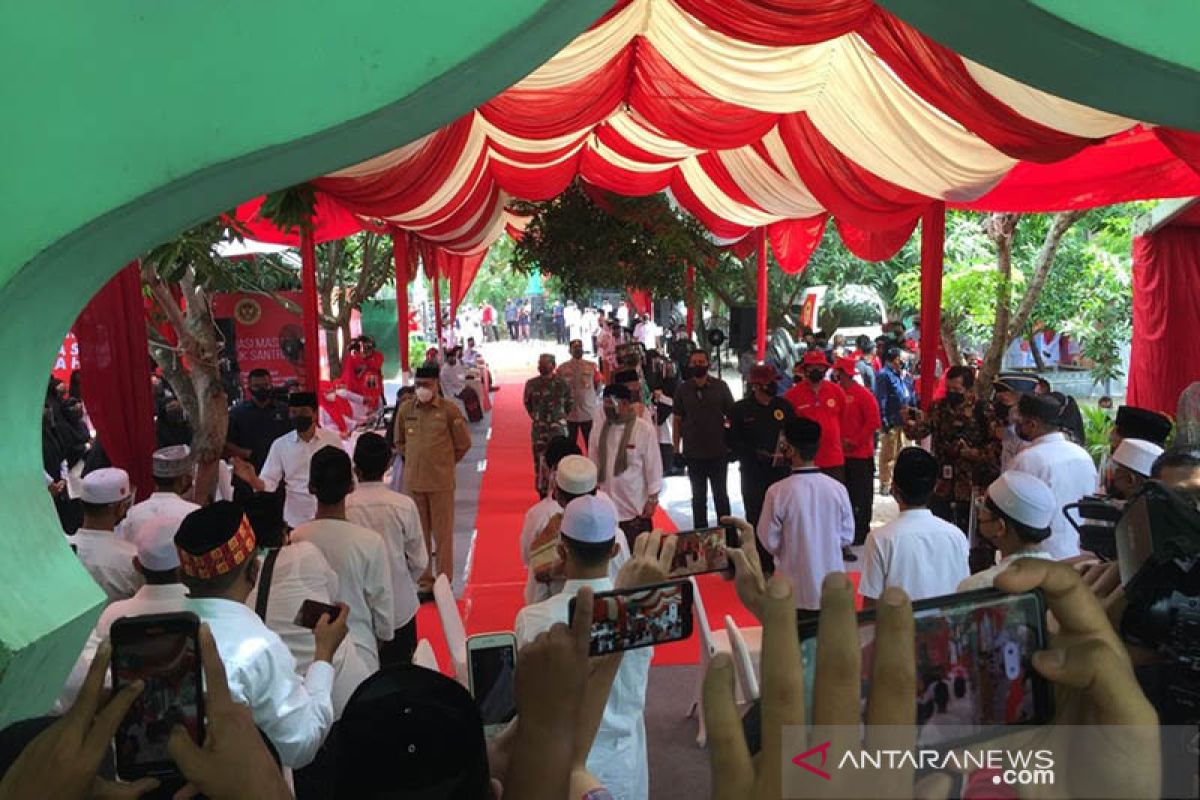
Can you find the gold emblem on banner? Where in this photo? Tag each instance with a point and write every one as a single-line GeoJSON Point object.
{"type": "Point", "coordinates": [779, 414]}
{"type": "Point", "coordinates": [247, 311]}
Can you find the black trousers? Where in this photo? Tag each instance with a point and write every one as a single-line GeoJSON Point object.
{"type": "Point", "coordinates": [512, 330]}
{"type": "Point", "coordinates": [702, 472]}
{"type": "Point", "coordinates": [573, 429]}
{"type": "Point", "coordinates": [860, 483]}
{"type": "Point", "coordinates": [401, 648]}
{"type": "Point", "coordinates": [755, 483]}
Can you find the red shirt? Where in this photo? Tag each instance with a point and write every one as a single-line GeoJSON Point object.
{"type": "Point", "coordinates": [826, 407]}
{"type": "Point", "coordinates": [860, 422]}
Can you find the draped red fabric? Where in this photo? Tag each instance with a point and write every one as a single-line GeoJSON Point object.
{"type": "Point", "coordinates": [781, 22]}
{"type": "Point", "coordinates": [331, 220]}
{"type": "Point", "coordinates": [874, 245]}
{"type": "Point", "coordinates": [938, 75]}
{"type": "Point", "coordinates": [309, 306]}
{"type": "Point", "coordinates": [795, 240]}
{"type": "Point", "coordinates": [933, 243]}
{"type": "Point", "coordinates": [400, 258]}
{"type": "Point", "coordinates": [1165, 354]}
{"type": "Point", "coordinates": [115, 375]}
{"type": "Point", "coordinates": [1184, 144]}
{"type": "Point", "coordinates": [640, 299]}
{"type": "Point", "coordinates": [462, 271]}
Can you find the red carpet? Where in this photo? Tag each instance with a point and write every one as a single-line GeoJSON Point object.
{"type": "Point", "coordinates": [495, 585]}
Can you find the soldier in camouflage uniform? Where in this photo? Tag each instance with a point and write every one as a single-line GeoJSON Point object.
{"type": "Point", "coordinates": [961, 429]}
{"type": "Point", "coordinates": [548, 400]}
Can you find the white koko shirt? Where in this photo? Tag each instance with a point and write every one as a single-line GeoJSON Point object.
{"type": "Point", "coordinates": [806, 520]}
{"type": "Point", "coordinates": [618, 754]}
{"type": "Point", "coordinates": [155, 508]}
{"type": "Point", "coordinates": [294, 713]}
{"type": "Point", "coordinates": [109, 560]}
{"type": "Point", "coordinates": [364, 571]}
{"type": "Point", "coordinates": [375, 506]}
{"type": "Point", "coordinates": [919, 552]}
{"type": "Point", "coordinates": [1070, 473]}
{"type": "Point", "coordinates": [643, 471]}
{"type": "Point", "coordinates": [287, 462]}
{"type": "Point", "coordinates": [302, 573]}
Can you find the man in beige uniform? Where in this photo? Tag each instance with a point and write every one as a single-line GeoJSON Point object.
{"type": "Point", "coordinates": [433, 436]}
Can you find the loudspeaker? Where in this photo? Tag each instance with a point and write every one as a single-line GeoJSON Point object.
{"type": "Point", "coordinates": [742, 323]}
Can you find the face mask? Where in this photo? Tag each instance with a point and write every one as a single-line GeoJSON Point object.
{"type": "Point", "coordinates": [342, 392]}
{"type": "Point", "coordinates": [303, 423]}
{"type": "Point", "coordinates": [815, 375]}
{"type": "Point", "coordinates": [610, 413]}
{"type": "Point", "coordinates": [424, 394]}
{"type": "Point", "coordinates": [577, 352]}
{"type": "Point", "coordinates": [1000, 409]}
{"type": "Point", "coordinates": [545, 371]}
{"type": "Point", "coordinates": [699, 370]}
{"type": "Point", "coordinates": [261, 395]}
{"type": "Point", "coordinates": [954, 399]}
{"type": "Point", "coordinates": [331, 396]}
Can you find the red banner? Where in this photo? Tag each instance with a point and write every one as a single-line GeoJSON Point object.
{"type": "Point", "coordinates": [265, 334]}
{"type": "Point", "coordinates": [67, 360]}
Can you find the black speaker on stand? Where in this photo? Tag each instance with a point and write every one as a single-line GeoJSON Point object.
{"type": "Point", "coordinates": [743, 324]}
{"type": "Point", "coordinates": [716, 338]}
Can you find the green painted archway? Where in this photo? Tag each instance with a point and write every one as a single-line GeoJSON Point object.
{"type": "Point", "coordinates": [127, 121]}
{"type": "Point", "coordinates": [1137, 58]}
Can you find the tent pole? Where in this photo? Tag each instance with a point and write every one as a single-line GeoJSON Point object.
{"type": "Point", "coordinates": [761, 354]}
{"type": "Point", "coordinates": [690, 299]}
{"type": "Point", "coordinates": [933, 241]}
{"type": "Point", "coordinates": [309, 307]}
{"type": "Point", "coordinates": [437, 307]}
{"type": "Point", "coordinates": [400, 259]}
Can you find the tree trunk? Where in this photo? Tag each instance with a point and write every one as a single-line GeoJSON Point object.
{"type": "Point", "coordinates": [1001, 228]}
{"type": "Point", "coordinates": [203, 349]}
{"type": "Point", "coordinates": [1035, 350]}
{"type": "Point", "coordinates": [950, 345]}
{"type": "Point", "coordinates": [334, 351]}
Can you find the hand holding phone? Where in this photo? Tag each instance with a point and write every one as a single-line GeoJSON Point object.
{"type": "Point", "coordinates": [311, 611]}
{"type": "Point", "coordinates": [703, 550]}
{"type": "Point", "coordinates": [330, 632]}
{"type": "Point", "coordinates": [491, 662]}
{"type": "Point", "coordinates": [642, 616]}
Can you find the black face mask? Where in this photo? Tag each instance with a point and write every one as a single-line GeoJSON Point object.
{"type": "Point", "coordinates": [954, 399]}
{"type": "Point", "coordinates": [174, 415]}
{"type": "Point", "coordinates": [1001, 410]}
{"type": "Point", "coordinates": [260, 394]}
{"type": "Point", "coordinates": [815, 375]}
{"type": "Point", "coordinates": [699, 370]}
{"type": "Point", "coordinates": [302, 424]}
{"type": "Point", "coordinates": [577, 353]}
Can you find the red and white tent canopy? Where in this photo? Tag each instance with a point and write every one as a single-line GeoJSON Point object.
{"type": "Point", "coordinates": [766, 113]}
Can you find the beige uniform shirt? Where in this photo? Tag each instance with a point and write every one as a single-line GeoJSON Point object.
{"type": "Point", "coordinates": [433, 438]}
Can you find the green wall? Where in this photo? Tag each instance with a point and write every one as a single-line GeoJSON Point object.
{"type": "Point", "coordinates": [1138, 58]}
{"type": "Point", "coordinates": [127, 121]}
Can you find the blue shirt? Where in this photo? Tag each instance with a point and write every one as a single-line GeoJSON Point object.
{"type": "Point", "coordinates": [893, 395]}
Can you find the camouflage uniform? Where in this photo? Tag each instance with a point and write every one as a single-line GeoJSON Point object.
{"type": "Point", "coordinates": [967, 426]}
{"type": "Point", "coordinates": [548, 400]}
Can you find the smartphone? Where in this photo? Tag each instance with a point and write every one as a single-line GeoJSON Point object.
{"type": "Point", "coordinates": [491, 664]}
{"type": "Point", "coordinates": [626, 619]}
{"type": "Point", "coordinates": [703, 550]}
{"type": "Point", "coordinates": [974, 663]}
{"type": "Point", "coordinates": [163, 651]}
{"type": "Point", "coordinates": [310, 613]}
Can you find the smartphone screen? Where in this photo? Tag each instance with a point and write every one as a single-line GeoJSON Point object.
{"type": "Point", "coordinates": [491, 670]}
{"type": "Point", "coordinates": [163, 651]}
{"type": "Point", "coordinates": [625, 619]}
{"type": "Point", "coordinates": [310, 613]}
{"type": "Point", "coordinates": [703, 550]}
{"type": "Point", "coordinates": [974, 669]}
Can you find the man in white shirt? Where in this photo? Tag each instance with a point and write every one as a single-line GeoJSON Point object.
{"type": "Point", "coordinates": [919, 552]}
{"type": "Point", "coordinates": [806, 518]}
{"type": "Point", "coordinates": [172, 468]}
{"type": "Point", "coordinates": [106, 497]}
{"type": "Point", "coordinates": [628, 461]}
{"type": "Point", "coordinates": [158, 563]}
{"type": "Point", "coordinates": [583, 377]}
{"type": "Point", "coordinates": [289, 574]}
{"type": "Point", "coordinates": [453, 374]}
{"type": "Point", "coordinates": [374, 506]}
{"type": "Point", "coordinates": [357, 555]}
{"type": "Point", "coordinates": [587, 542]}
{"type": "Point", "coordinates": [1015, 519]}
{"type": "Point", "coordinates": [1061, 464]}
{"type": "Point", "coordinates": [216, 547]}
{"type": "Point", "coordinates": [289, 457]}
{"type": "Point", "coordinates": [1132, 465]}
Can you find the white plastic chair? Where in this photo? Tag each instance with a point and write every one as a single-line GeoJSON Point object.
{"type": "Point", "coordinates": [424, 656]}
{"type": "Point", "coordinates": [711, 643]}
{"type": "Point", "coordinates": [745, 663]}
{"type": "Point", "coordinates": [452, 627]}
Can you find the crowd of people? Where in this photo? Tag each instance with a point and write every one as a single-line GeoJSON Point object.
{"type": "Point", "coordinates": [339, 711]}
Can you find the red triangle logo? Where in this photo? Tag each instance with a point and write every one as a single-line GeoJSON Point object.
{"type": "Point", "coordinates": [802, 759]}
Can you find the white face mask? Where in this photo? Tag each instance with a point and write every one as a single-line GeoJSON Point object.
{"type": "Point", "coordinates": [424, 394]}
{"type": "Point", "coordinates": [342, 392]}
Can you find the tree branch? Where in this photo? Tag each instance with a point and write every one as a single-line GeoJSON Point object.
{"type": "Point", "coordinates": [1045, 260]}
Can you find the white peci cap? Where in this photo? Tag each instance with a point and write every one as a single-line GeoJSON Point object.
{"type": "Point", "coordinates": [589, 519]}
{"type": "Point", "coordinates": [105, 486]}
{"type": "Point", "coordinates": [155, 543]}
{"type": "Point", "coordinates": [1138, 455]}
{"type": "Point", "coordinates": [575, 475]}
{"type": "Point", "coordinates": [1025, 498]}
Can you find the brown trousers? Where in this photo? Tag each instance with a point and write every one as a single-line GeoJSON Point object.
{"type": "Point", "coordinates": [890, 444]}
{"type": "Point", "coordinates": [436, 510]}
